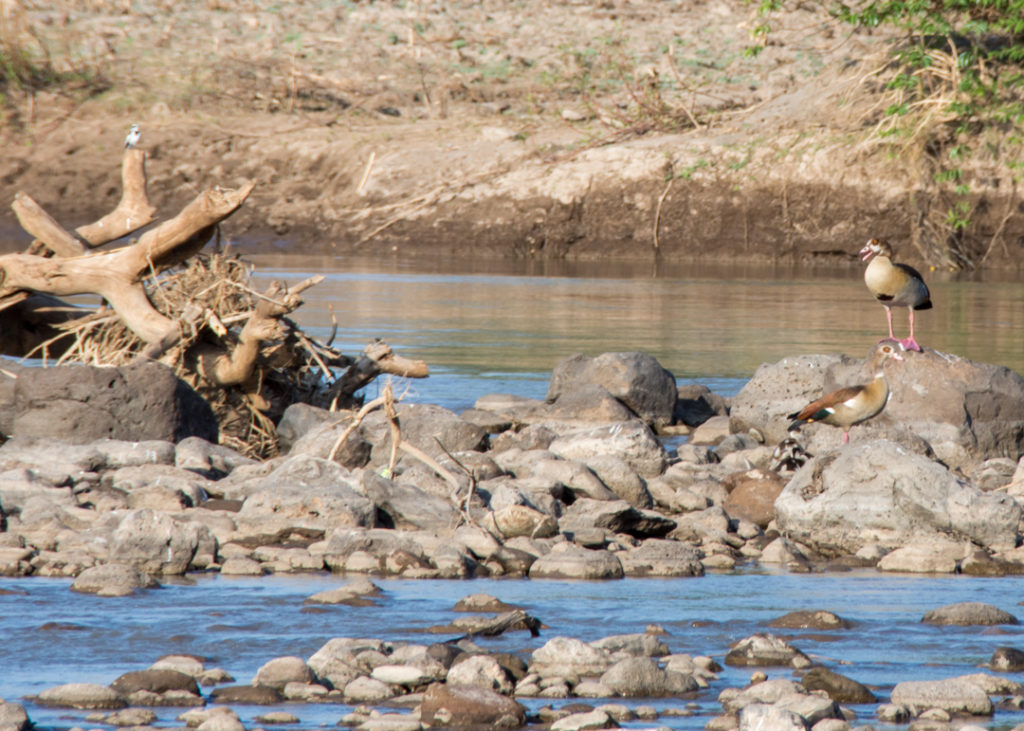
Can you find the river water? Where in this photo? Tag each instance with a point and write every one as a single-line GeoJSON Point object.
{"type": "Point", "coordinates": [501, 327]}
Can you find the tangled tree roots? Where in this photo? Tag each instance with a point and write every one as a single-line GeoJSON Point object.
{"type": "Point", "coordinates": [162, 300]}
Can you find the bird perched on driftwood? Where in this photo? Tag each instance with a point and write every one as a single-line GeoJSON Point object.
{"type": "Point", "coordinates": [853, 404]}
{"type": "Point", "coordinates": [895, 285]}
{"type": "Point", "coordinates": [134, 135]}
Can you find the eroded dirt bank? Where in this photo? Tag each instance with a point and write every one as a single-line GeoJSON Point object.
{"type": "Point", "coordinates": [477, 129]}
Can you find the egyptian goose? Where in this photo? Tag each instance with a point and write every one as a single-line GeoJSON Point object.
{"type": "Point", "coordinates": [853, 404]}
{"type": "Point", "coordinates": [894, 285]}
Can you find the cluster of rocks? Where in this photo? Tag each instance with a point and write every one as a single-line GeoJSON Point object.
{"type": "Point", "coordinates": [590, 685]}
{"type": "Point", "coordinates": [577, 486]}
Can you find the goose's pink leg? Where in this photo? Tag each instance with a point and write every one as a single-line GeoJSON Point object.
{"type": "Point", "coordinates": [910, 343]}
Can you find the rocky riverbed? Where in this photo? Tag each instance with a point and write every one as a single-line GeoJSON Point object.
{"type": "Point", "coordinates": [578, 486]}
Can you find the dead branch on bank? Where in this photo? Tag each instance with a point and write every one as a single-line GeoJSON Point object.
{"type": "Point", "coordinates": [161, 299]}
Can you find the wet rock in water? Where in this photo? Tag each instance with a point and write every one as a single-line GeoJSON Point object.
{"type": "Point", "coordinates": [188, 664]}
{"type": "Point", "coordinates": [482, 603]}
{"type": "Point", "coordinates": [242, 566]}
{"type": "Point", "coordinates": [632, 441]}
{"type": "Point", "coordinates": [954, 695]}
{"type": "Point", "coordinates": [407, 676]}
{"type": "Point", "coordinates": [762, 650]}
{"type": "Point", "coordinates": [280, 671]}
{"type": "Point", "coordinates": [86, 696]}
{"type": "Point", "coordinates": [810, 619]}
{"type": "Point", "coordinates": [584, 721]}
{"type": "Point", "coordinates": [1007, 660]}
{"type": "Point", "coordinates": [154, 542]}
{"type": "Point", "coordinates": [969, 613]}
{"type": "Point", "coordinates": [631, 645]}
{"type": "Point", "coordinates": [567, 656]}
{"type": "Point", "coordinates": [840, 688]}
{"type": "Point", "coordinates": [113, 579]}
{"type": "Point", "coordinates": [276, 717]}
{"type": "Point", "coordinates": [635, 379]}
{"type": "Point", "coordinates": [221, 722]}
{"type": "Point", "coordinates": [658, 557]}
{"type": "Point", "coordinates": [642, 676]}
{"type": "Point", "coordinates": [782, 694]}
{"type": "Point", "coordinates": [247, 695]}
{"type": "Point", "coordinates": [127, 717]}
{"type": "Point", "coordinates": [481, 671]}
{"type": "Point", "coordinates": [758, 716]}
{"type": "Point", "coordinates": [13, 717]}
{"type": "Point", "coordinates": [567, 561]}
{"type": "Point", "coordinates": [752, 496]}
{"type": "Point", "coordinates": [840, 501]}
{"type": "Point", "coordinates": [354, 593]}
{"type": "Point", "coordinates": [336, 662]}
{"type": "Point", "coordinates": [936, 555]}
{"type": "Point", "coordinates": [365, 689]}
{"type": "Point", "coordinates": [158, 681]}
{"type": "Point", "coordinates": [454, 706]}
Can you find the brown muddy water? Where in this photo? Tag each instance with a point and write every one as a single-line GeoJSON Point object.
{"type": "Point", "coordinates": [502, 326]}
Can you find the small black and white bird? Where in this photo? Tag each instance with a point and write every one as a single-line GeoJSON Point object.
{"type": "Point", "coordinates": [133, 137]}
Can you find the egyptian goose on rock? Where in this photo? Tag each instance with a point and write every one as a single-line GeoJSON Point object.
{"type": "Point", "coordinates": [853, 404]}
{"type": "Point", "coordinates": [895, 285]}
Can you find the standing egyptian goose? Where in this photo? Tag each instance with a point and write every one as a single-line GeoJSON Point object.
{"type": "Point", "coordinates": [853, 404]}
{"type": "Point", "coordinates": [895, 285]}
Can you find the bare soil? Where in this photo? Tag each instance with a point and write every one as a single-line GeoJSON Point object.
{"type": "Point", "coordinates": [543, 129]}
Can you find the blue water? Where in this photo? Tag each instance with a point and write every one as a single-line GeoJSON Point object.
{"type": "Point", "coordinates": [240, 623]}
{"type": "Point", "coordinates": [491, 332]}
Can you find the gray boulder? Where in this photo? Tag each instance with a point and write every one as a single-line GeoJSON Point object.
{"type": "Point", "coordinates": [459, 706]}
{"type": "Point", "coordinates": [426, 426]}
{"type": "Point", "coordinates": [841, 501]}
{"type": "Point", "coordinates": [965, 411]}
{"type": "Point", "coordinates": [381, 550]}
{"type": "Point", "coordinates": [81, 404]}
{"type": "Point", "coordinates": [633, 441]}
{"type": "Point", "coordinates": [406, 506]}
{"type": "Point", "coordinates": [568, 656]}
{"type": "Point", "coordinates": [155, 543]}
{"type": "Point", "coordinates": [112, 579]}
{"type": "Point", "coordinates": [305, 492]}
{"type": "Point", "coordinates": [764, 650]}
{"type": "Point", "coordinates": [655, 557]}
{"type": "Point", "coordinates": [616, 516]}
{"type": "Point", "coordinates": [635, 379]}
{"type": "Point", "coordinates": [89, 696]}
{"type": "Point", "coordinates": [13, 717]}
{"type": "Point", "coordinates": [953, 695]}
{"type": "Point", "coordinates": [568, 561]}
{"type": "Point", "coordinates": [969, 614]}
{"type": "Point", "coordinates": [642, 676]}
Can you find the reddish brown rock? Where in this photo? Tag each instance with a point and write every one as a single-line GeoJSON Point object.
{"type": "Point", "coordinates": [463, 706]}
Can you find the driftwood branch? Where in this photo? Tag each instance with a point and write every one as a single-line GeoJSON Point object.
{"type": "Point", "coordinates": [377, 358]}
{"type": "Point", "coordinates": [49, 234]}
{"type": "Point", "coordinates": [117, 275]}
{"type": "Point", "coordinates": [132, 213]}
